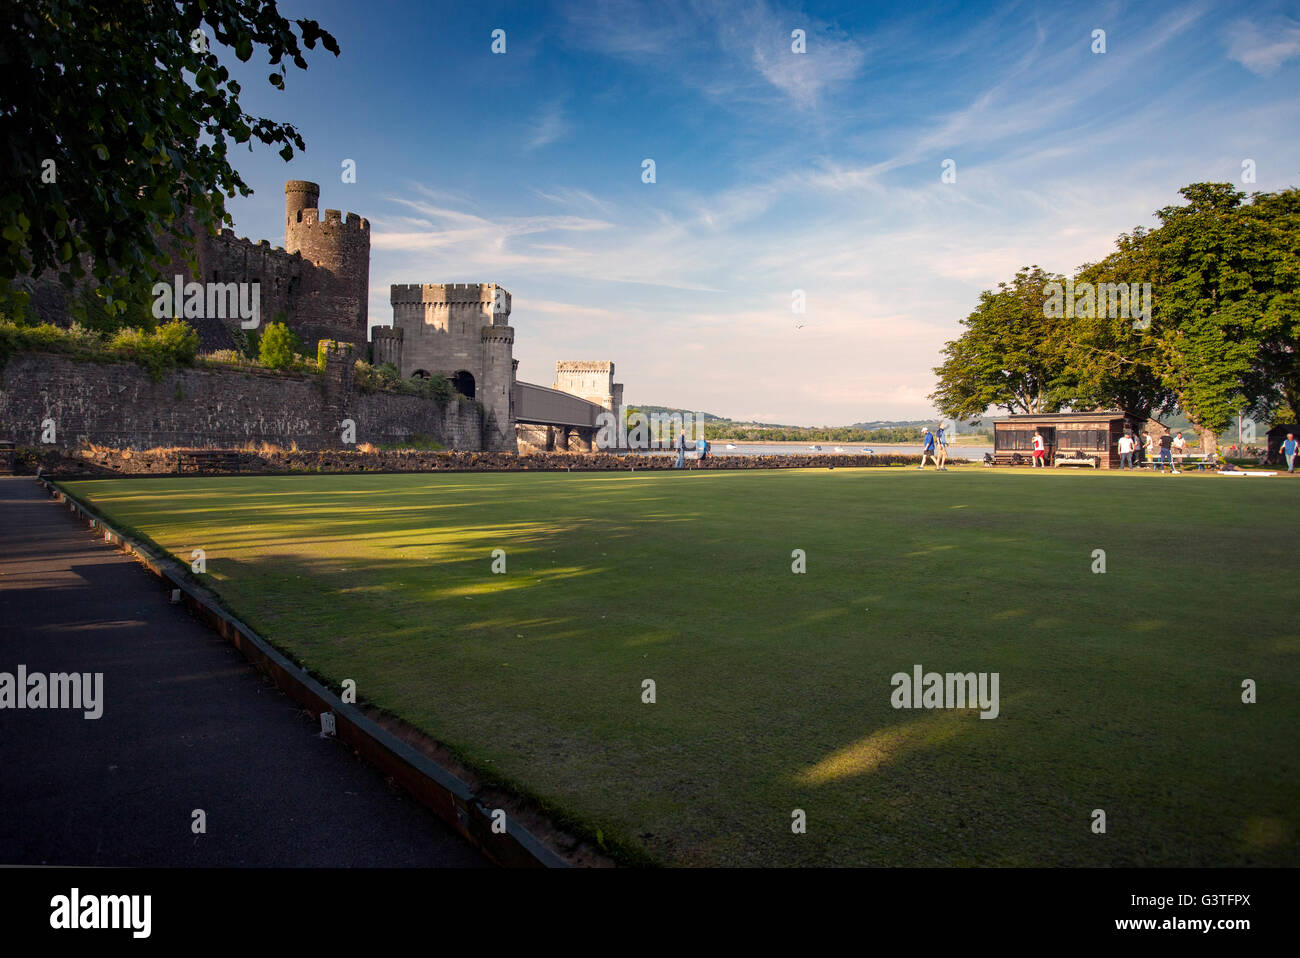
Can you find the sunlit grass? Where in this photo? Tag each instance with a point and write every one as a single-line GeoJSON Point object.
{"type": "Point", "coordinates": [1119, 690]}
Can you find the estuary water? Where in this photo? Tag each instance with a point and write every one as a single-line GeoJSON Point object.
{"type": "Point", "coordinates": [719, 448]}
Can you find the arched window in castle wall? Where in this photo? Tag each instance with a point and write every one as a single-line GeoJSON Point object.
{"type": "Point", "coordinates": [463, 382]}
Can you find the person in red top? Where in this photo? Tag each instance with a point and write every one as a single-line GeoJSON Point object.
{"type": "Point", "coordinates": [1040, 451]}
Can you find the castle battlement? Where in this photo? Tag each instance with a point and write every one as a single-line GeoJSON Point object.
{"type": "Point", "coordinates": [310, 216]}
{"type": "Point", "coordinates": [445, 294]}
{"type": "Point", "coordinates": [584, 366]}
{"type": "Point", "coordinates": [231, 242]}
{"type": "Point", "coordinates": [498, 334]}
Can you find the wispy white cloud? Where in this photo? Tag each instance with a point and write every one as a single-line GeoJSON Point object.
{"type": "Point", "coordinates": [549, 126]}
{"type": "Point", "coordinates": [736, 49]}
{"type": "Point", "coordinates": [1261, 50]}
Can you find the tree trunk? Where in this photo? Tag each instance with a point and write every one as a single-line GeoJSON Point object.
{"type": "Point", "coordinates": [1209, 439]}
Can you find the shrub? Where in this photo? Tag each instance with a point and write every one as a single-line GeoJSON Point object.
{"type": "Point", "coordinates": [173, 344]}
{"type": "Point", "coordinates": [226, 357]}
{"type": "Point", "coordinates": [277, 347]}
{"type": "Point", "coordinates": [179, 341]}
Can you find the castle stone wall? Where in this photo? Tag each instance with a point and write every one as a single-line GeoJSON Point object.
{"type": "Point", "coordinates": [120, 405]}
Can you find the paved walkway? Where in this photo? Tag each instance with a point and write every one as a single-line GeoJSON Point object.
{"type": "Point", "coordinates": [187, 724]}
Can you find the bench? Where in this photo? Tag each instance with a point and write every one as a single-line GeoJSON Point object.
{"type": "Point", "coordinates": [210, 460]}
{"type": "Point", "coordinates": [6, 457]}
{"type": "Point", "coordinates": [1076, 458]}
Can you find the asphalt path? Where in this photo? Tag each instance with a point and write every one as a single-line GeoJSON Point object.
{"type": "Point", "coordinates": [187, 725]}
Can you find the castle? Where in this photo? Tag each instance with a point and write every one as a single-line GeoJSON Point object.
{"type": "Point", "coordinates": [460, 331]}
{"type": "Point", "coordinates": [318, 283]}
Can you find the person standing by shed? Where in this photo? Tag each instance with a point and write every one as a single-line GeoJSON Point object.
{"type": "Point", "coordinates": [1289, 449]}
{"type": "Point", "coordinates": [1180, 449]}
{"type": "Point", "coordinates": [1166, 459]}
{"type": "Point", "coordinates": [1040, 450]}
{"type": "Point", "coordinates": [1126, 451]}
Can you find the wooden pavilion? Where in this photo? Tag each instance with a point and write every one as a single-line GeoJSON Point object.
{"type": "Point", "coordinates": [1070, 438]}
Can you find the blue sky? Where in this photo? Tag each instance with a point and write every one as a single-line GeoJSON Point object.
{"type": "Point", "coordinates": [776, 171]}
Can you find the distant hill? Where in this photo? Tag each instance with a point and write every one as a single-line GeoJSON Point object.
{"type": "Point", "coordinates": [674, 411]}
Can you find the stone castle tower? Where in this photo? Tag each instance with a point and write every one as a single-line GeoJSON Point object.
{"type": "Point", "coordinates": [591, 380]}
{"type": "Point", "coordinates": [461, 331]}
{"type": "Point", "coordinates": [318, 283]}
{"type": "Point", "coordinates": [335, 252]}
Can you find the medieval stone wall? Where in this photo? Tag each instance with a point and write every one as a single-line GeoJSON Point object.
{"type": "Point", "coordinates": [120, 405]}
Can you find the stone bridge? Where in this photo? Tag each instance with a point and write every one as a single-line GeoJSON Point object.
{"type": "Point", "coordinates": [553, 420]}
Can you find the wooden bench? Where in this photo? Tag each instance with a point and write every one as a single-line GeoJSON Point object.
{"type": "Point", "coordinates": [210, 460]}
{"type": "Point", "coordinates": [6, 457]}
{"type": "Point", "coordinates": [1076, 458]}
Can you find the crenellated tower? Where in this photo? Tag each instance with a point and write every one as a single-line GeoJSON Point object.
{"type": "Point", "coordinates": [461, 331]}
{"type": "Point", "coordinates": [333, 303]}
{"type": "Point", "coordinates": [592, 380]}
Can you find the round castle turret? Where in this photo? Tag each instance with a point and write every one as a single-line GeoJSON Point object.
{"type": "Point", "coordinates": [299, 195]}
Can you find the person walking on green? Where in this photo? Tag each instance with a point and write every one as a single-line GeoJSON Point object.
{"type": "Point", "coordinates": [1289, 449]}
{"type": "Point", "coordinates": [927, 449]}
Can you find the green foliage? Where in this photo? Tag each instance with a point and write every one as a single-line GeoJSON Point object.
{"type": "Point", "coordinates": [227, 357]}
{"type": "Point", "coordinates": [1011, 355]}
{"type": "Point", "coordinates": [173, 344]}
{"type": "Point", "coordinates": [1224, 333]}
{"type": "Point", "coordinates": [116, 120]}
{"type": "Point", "coordinates": [180, 339]}
{"type": "Point", "coordinates": [76, 341]}
{"type": "Point", "coordinates": [276, 350]}
{"type": "Point", "coordinates": [386, 378]}
{"type": "Point", "coordinates": [251, 344]}
{"type": "Point", "coordinates": [1113, 363]}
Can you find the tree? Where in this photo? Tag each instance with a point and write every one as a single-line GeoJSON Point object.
{"type": "Point", "coordinates": [1219, 303]}
{"type": "Point", "coordinates": [277, 346]}
{"type": "Point", "coordinates": [1274, 384]}
{"type": "Point", "coordinates": [116, 118]}
{"type": "Point", "coordinates": [1114, 362]}
{"type": "Point", "coordinates": [1012, 355]}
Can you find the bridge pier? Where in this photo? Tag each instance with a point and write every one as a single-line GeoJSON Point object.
{"type": "Point", "coordinates": [557, 438]}
{"type": "Point", "coordinates": [581, 440]}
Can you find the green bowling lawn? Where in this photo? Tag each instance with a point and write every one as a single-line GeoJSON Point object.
{"type": "Point", "coordinates": [1119, 691]}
